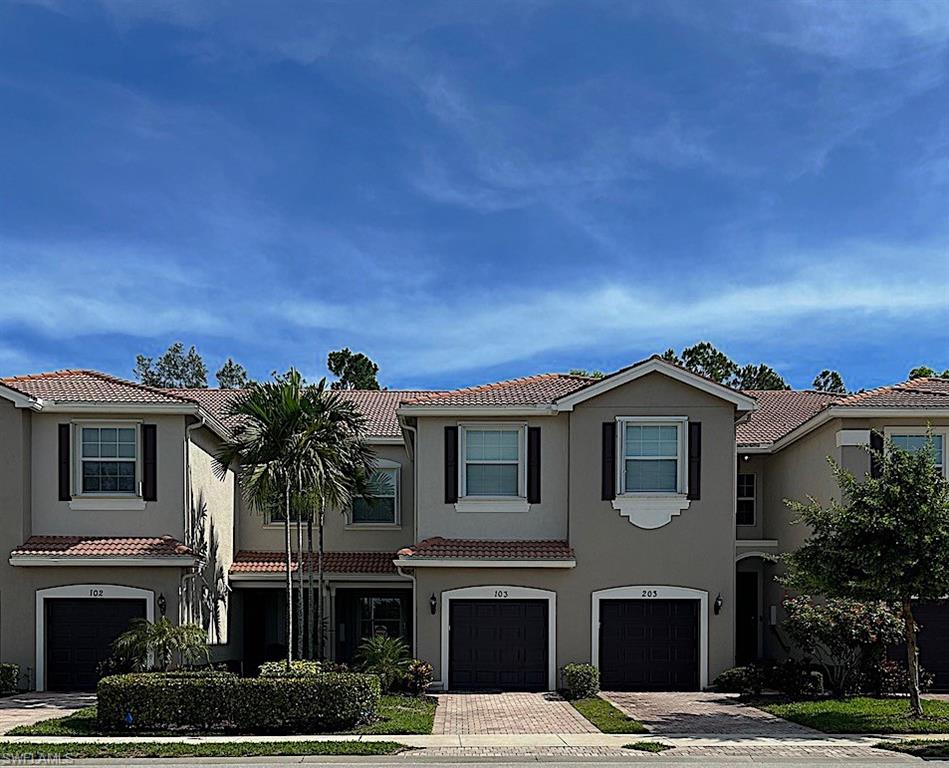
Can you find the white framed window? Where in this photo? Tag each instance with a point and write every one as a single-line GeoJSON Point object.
{"type": "Point", "coordinates": [384, 507]}
{"type": "Point", "coordinates": [108, 458]}
{"type": "Point", "coordinates": [745, 503]}
{"type": "Point", "coordinates": [492, 464]}
{"type": "Point", "coordinates": [916, 439]}
{"type": "Point", "coordinates": [652, 455]}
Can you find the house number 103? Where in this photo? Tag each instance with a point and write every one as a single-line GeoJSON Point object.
{"type": "Point", "coordinates": [500, 593]}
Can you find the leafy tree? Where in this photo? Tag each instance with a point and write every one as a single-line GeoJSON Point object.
{"type": "Point", "coordinates": [165, 642]}
{"type": "Point", "coordinates": [887, 539]}
{"type": "Point", "coordinates": [298, 448]}
{"type": "Point", "coordinates": [829, 381]}
{"type": "Point", "coordinates": [232, 375]}
{"type": "Point", "coordinates": [924, 371]}
{"type": "Point", "coordinates": [841, 635]}
{"type": "Point", "coordinates": [175, 368]}
{"type": "Point", "coordinates": [588, 374]}
{"type": "Point", "coordinates": [758, 377]}
{"type": "Point", "coordinates": [353, 370]}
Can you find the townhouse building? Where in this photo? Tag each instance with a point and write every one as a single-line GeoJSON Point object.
{"type": "Point", "coordinates": [627, 521]}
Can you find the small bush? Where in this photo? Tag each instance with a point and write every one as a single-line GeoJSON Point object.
{"type": "Point", "coordinates": [582, 681]}
{"type": "Point", "coordinates": [222, 701]}
{"type": "Point", "coordinates": [9, 678]}
{"type": "Point", "coordinates": [299, 668]}
{"type": "Point", "coordinates": [384, 656]}
{"type": "Point", "coordinates": [418, 677]}
{"type": "Point", "coordinates": [888, 678]}
{"type": "Point", "coordinates": [748, 679]}
{"type": "Point", "coordinates": [794, 678]}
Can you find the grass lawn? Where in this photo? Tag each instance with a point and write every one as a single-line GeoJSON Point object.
{"type": "Point", "coordinates": [863, 715]}
{"type": "Point", "coordinates": [928, 750]}
{"type": "Point", "coordinates": [399, 715]}
{"type": "Point", "coordinates": [403, 715]}
{"type": "Point", "coordinates": [606, 717]}
{"type": "Point", "coordinates": [647, 746]}
{"type": "Point", "coordinates": [20, 752]}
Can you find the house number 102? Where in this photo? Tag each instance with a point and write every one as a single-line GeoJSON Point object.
{"type": "Point", "coordinates": [95, 593]}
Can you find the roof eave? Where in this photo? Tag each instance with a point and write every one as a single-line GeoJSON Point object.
{"type": "Point", "coordinates": [539, 409]}
{"type": "Point", "coordinates": [174, 561]}
{"type": "Point", "coordinates": [458, 562]}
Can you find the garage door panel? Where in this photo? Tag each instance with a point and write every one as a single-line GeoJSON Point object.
{"type": "Point", "coordinates": [649, 644]}
{"type": "Point", "coordinates": [498, 644]}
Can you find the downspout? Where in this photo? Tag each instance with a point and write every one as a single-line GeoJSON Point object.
{"type": "Point", "coordinates": [186, 612]}
{"type": "Point", "coordinates": [411, 576]}
{"type": "Point", "coordinates": [413, 454]}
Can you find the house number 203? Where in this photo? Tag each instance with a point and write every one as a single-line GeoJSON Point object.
{"type": "Point", "coordinates": [650, 593]}
{"type": "Point", "coordinates": [500, 593]}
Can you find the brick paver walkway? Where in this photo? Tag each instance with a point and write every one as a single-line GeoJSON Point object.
{"type": "Point", "coordinates": [28, 708]}
{"type": "Point", "coordinates": [486, 713]}
{"type": "Point", "coordinates": [702, 713]}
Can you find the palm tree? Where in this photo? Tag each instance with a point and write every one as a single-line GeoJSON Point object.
{"type": "Point", "coordinates": [300, 444]}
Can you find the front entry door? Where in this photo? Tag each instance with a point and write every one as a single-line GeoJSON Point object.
{"type": "Point", "coordinates": [747, 623]}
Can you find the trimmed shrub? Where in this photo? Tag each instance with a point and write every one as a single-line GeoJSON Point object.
{"type": "Point", "coordinates": [748, 679]}
{"type": "Point", "coordinates": [222, 701]}
{"type": "Point", "coordinates": [418, 677]}
{"type": "Point", "coordinates": [387, 657]}
{"type": "Point", "coordinates": [581, 680]}
{"type": "Point", "coordinates": [298, 668]}
{"type": "Point", "coordinates": [889, 678]}
{"type": "Point", "coordinates": [9, 678]}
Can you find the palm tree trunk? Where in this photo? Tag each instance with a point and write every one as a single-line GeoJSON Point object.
{"type": "Point", "coordinates": [289, 547]}
{"type": "Point", "coordinates": [912, 660]}
{"type": "Point", "coordinates": [300, 568]}
{"type": "Point", "coordinates": [319, 592]}
{"type": "Point", "coordinates": [311, 619]}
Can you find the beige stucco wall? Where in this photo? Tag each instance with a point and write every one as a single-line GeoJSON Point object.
{"type": "Point", "coordinates": [546, 520]}
{"type": "Point", "coordinates": [212, 532]}
{"type": "Point", "coordinates": [52, 517]}
{"type": "Point", "coordinates": [695, 550]}
{"type": "Point", "coordinates": [253, 533]}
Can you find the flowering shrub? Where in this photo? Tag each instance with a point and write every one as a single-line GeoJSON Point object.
{"type": "Point", "coordinates": [841, 635]}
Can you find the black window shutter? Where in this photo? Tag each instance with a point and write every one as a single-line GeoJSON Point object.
{"type": "Point", "coordinates": [451, 465]}
{"type": "Point", "coordinates": [149, 462]}
{"type": "Point", "coordinates": [65, 491]}
{"type": "Point", "coordinates": [695, 460]}
{"type": "Point", "coordinates": [533, 465]}
{"type": "Point", "coordinates": [876, 444]}
{"type": "Point", "coordinates": [609, 461]}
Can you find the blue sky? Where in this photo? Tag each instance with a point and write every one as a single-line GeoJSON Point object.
{"type": "Point", "coordinates": [469, 191]}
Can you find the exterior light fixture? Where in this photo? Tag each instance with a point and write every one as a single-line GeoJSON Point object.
{"type": "Point", "coordinates": [162, 603]}
{"type": "Point", "coordinates": [719, 602]}
{"type": "Point", "coordinates": [433, 603]}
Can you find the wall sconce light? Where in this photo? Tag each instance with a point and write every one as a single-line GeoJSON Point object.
{"type": "Point", "coordinates": [719, 602]}
{"type": "Point", "coordinates": [162, 603]}
{"type": "Point", "coordinates": [433, 603]}
{"type": "Point", "coordinates": [746, 457]}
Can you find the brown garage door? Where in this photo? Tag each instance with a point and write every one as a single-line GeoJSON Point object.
{"type": "Point", "coordinates": [498, 645]}
{"type": "Point", "coordinates": [79, 635]}
{"type": "Point", "coordinates": [649, 645]}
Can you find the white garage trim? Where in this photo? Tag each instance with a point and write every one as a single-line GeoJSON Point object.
{"type": "Point", "coordinates": [648, 592]}
{"type": "Point", "coordinates": [81, 591]}
{"type": "Point", "coordinates": [500, 594]}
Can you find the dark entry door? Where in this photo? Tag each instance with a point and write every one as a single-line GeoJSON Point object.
{"type": "Point", "coordinates": [746, 618]}
{"type": "Point", "coordinates": [498, 645]}
{"type": "Point", "coordinates": [79, 635]}
{"type": "Point", "coordinates": [649, 645]}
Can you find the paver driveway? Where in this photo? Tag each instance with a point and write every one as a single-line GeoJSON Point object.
{"type": "Point", "coordinates": [486, 713]}
{"type": "Point", "coordinates": [29, 708]}
{"type": "Point", "coordinates": [702, 714]}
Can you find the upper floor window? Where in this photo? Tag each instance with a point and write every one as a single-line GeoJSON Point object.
{"type": "Point", "coordinates": [492, 461]}
{"type": "Point", "coordinates": [383, 507]}
{"type": "Point", "coordinates": [745, 511]}
{"type": "Point", "coordinates": [108, 459]}
{"type": "Point", "coordinates": [917, 440]}
{"type": "Point", "coordinates": [652, 456]}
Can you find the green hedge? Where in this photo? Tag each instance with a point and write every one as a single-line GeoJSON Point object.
{"type": "Point", "coordinates": [9, 678]}
{"type": "Point", "coordinates": [582, 681]}
{"type": "Point", "coordinates": [298, 668]}
{"type": "Point", "coordinates": [312, 704]}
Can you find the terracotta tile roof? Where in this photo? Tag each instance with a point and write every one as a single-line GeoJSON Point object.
{"type": "Point", "coordinates": [102, 546]}
{"type": "Point", "coordinates": [333, 562]}
{"type": "Point", "coordinates": [378, 406]}
{"type": "Point", "coordinates": [779, 412]}
{"type": "Point", "coordinates": [437, 548]}
{"type": "Point", "coordinates": [916, 393]}
{"type": "Point", "coordinates": [81, 386]}
{"type": "Point", "coordinates": [530, 390]}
